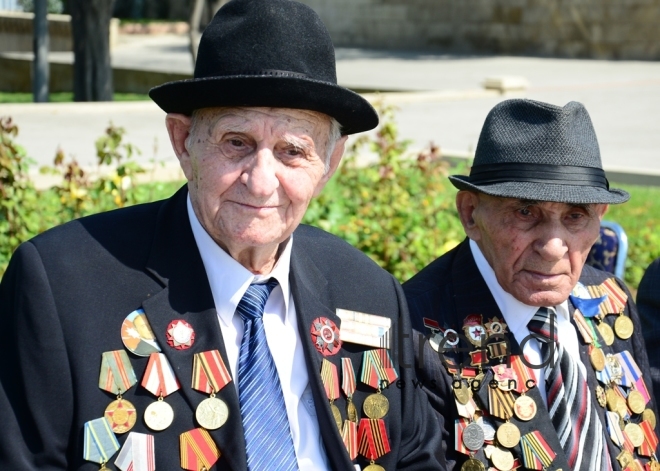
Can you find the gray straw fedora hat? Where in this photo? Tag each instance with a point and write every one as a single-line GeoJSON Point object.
{"type": "Point", "coordinates": [271, 53]}
{"type": "Point", "coordinates": [541, 152]}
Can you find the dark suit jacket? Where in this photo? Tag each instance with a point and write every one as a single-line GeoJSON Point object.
{"type": "Point", "coordinates": [451, 288]}
{"type": "Point", "coordinates": [66, 293]}
{"type": "Point", "coordinates": [648, 303]}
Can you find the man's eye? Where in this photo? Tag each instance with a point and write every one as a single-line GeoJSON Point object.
{"type": "Point", "coordinates": [293, 152]}
{"type": "Point", "coordinates": [524, 212]}
{"type": "Point", "coordinates": [236, 142]}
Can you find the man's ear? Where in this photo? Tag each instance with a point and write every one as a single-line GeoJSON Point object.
{"type": "Point", "coordinates": [601, 210]}
{"type": "Point", "coordinates": [466, 204]}
{"type": "Point", "coordinates": [178, 127]}
{"type": "Point", "coordinates": [335, 158]}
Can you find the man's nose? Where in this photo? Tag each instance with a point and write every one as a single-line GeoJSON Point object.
{"type": "Point", "coordinates": [260, 177]}
{"type": "Point", "coordinates": [551, 246]}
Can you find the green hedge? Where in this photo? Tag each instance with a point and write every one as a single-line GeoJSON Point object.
{"type": "Point", "coordinates": [399, 210]}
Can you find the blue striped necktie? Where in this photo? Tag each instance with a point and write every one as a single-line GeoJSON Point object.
{"type": "Point", "coordinates": [268, 441]}
{"type": "Point", "coordinates": [570, 404]}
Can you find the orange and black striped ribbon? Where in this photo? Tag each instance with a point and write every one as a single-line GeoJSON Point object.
{"type": "Point", "coordinates": [210, 374]}
{"type": "Point", "coordinates": [330, 379]}
{"type": "Point", "coordinates": [377, 368]}
{"type": "Point", "coordinates": [372, 438]}
{"type": "Point", "coordinates": [537, 454]}
{"type": "Point", "coordinates": [501, 403]}
{"type": "Point", "coordinates": [198, 450]}
{"type": "Point", "coordinates": [117, 374]}
{"type": "Point", "coordinates": [349, 434]}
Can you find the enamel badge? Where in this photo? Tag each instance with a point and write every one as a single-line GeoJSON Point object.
{"type": "Point", "coordinates": [325, 336]}
{"type": "Point", "coordinates": [180, 335]}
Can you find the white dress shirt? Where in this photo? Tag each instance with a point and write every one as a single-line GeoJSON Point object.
{"type": "Point", "coordinates": [517, 315]}
{"type": "Point", "coordinates": [229, 281]}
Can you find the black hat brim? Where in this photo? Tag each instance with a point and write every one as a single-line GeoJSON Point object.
{"type": "Point", "coordinates": [541, 191]}
{"type": "Point", "coordinates": [353, 112]}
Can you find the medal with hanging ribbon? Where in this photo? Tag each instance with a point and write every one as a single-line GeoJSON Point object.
{"type": "Point", "coordinates": [198, 450]}
{"type": "Point", "coordinates": [373, 442]}
{"type": "Point", "coordinates": [536, 452]}
{"type": "Point", "coordinates": [159, 380]}
{"type": "Point", "coordinates": [377, 370]}
{"type": "Point", "coordinates": [100, 442]}
{"type": "Point", "coordinates": [650, 439]}
{"type": "Point", "coordinates": [137, 454]}
{"type": "Point", "coordinates": [349, 435]}
{"type": "Point", "coordinates": [210, 375]}
{"type": "Point", "coordinates": [348, 385]}
{"type": "Point", "coordinates": [330, 380]}
{"type": "Point", "coordinates": [117, 376]}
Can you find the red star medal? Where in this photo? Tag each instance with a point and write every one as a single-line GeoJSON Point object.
{"type": "Point", "coordinates": [180, 335]}
{"type": "Point", "coordinates": [325, 336]}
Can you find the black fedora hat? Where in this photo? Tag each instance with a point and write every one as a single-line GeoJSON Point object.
{"type": "Point", "coordinates": [271, 53]}
{"type": "Point", "coordinates": [536, 151]}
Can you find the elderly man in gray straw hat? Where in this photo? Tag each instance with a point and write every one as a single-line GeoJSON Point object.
{"type": "Point", "coordinates": [531, 359]}
{"type": "Point", "coordinates": [212, 330]}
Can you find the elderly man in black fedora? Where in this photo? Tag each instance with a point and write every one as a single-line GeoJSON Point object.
{"type": "Point", "coordinates": [531, 359]}
{"type": "Point", "coordinates": [212, 330]}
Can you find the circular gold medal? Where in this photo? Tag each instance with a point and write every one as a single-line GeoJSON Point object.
{"type": "Point", "coordinates": [601, 397]}
{"type": "Point", "coordinates": [502, 459]}
{"type": "Point", "coordinates": [473, 465]}
{"type": "Point", "coordinates": [649, 415]}
{"type": "Point", "coordinates": [463, 394]}
{"type": "Point", "coordinates": [374, 467]}
{"type": "Point", "coordinates": [376, 406]}
{"type": "Point", "coordinates": [212, 413]}
{"type": "Point", "coordinates": [606, 332]}
{"type": "Point", "coordinates": [612, 398]}
{"type": "Point", "coordinates": [525, 408]}
{"type": "Point", "coordinates": [623, 327]}
{"type": "Point", "coordinates": [121, 414]}
{"type": "Point", "coordinates": [351, 412]}
{"type": "Point", "coordinates": [508, 435]}
{"type": "Point", "coordinates": [636, 402]}
{"type": "Point", "coordinates": [159, 415]}
{"type": "Point", "coordinates": [635, 434]}
{"type": "Point", "coordinates": [621, 407]}
{"type": "Point", "coordinates": [337, 415]}
{"type": "Point", "coordinates": [597, 358]}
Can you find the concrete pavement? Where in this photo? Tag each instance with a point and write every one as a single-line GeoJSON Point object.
{"type": "Point", "coordinates": [448, 104]}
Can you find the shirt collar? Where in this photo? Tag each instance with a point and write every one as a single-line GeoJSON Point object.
{"type": "Point", "coordinates": [514, 311]}
{"type": "Point", "coordinates": [229, 280]}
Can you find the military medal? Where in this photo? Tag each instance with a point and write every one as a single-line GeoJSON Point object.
{"type": "Point", "coordinates": [473, 436]}
{"type": "Point", "coordinates": [373, 442]}
{"type": "Point", "coordinates": [462, 391]}
{"type": "Point", "coordinates": [623, 327]}
{"type": "Point", "coordinates": [636, 402]}
{"type": "Point", "coordinates": [349, 437]}
{"type": "Point", "coordinates": [625, 458]}
{"type": "Point", "coordinates": [436, 333]}
{"type": "Point", "coordinates": [330, 380]}
{"type": "Point", "coordinates": [600, 396]}
{"type": "Point", "coordinates": [508, 435]}
{"type": "Point", "coordinates": [100, 442]}
{"type": "Point", "coordinates": [597, 358]}
{"type": "Point", "coordinates": [473, 465]}
{"type": "Point", "coordinates": [377, 370]}
{"type": "Point", "coordinates": [606, 332]}
{"type": "Point", "coordinates": [634, 433]}
{"type": "Point", "coordinates": [160, 381]}
{"type": "Point", "coordinates": [502, 459]}
{"type": "Point", "coordinates": [180, 335]}
{"type": "Point", "coordinates": [137, 454]}
{"type": "Point", "coordinates": [650, 439]}
{"type": "Point", "coordinates": [210, 375]}
{"type": "Point", "coordinates": [507, 379]}
{"type": "Point", "coordinates": [137, 335]}
{"type": "Point", "coordinates": [325, 336]}
{"type": "Point", "coordinates": [117, 376]}
{"type": "Point", "coordinates": [501, 403]}
{"type": "Point", "coordinates": [474, 329]}
{"type": "Point", "coordinates": [649, 415]}
{"type": "Point", "coordinates": [348, 386]}
{"type": "Point", "coordinates": [198, 450]}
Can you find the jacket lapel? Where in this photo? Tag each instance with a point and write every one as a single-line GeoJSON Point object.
{"type": "Point", "coordinates": [308, 285]}
{"type": "Point", "coordinates": [175, 261]}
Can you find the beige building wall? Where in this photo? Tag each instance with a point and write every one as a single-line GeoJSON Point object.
{"type": "Point", "coordinates": [604, 29]}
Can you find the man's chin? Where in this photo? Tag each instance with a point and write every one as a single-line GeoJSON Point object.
{"type": "Point", "coordinates": [542, 297]}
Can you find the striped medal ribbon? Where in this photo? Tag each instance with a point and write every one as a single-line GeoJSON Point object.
{"type": "Point", "coordinates": [377, 368]}
{"type": "Point", "coordinates": [536, 452]}
{"type": "Point", "coordinates": [524, 374]}
{"type": "Point", "coordinates": [349, 437]}
{"type": "Point", "coordinates": [650, 439]}
{"type": "Point", "coordinates": [198, 450]}
{"type": "Point", "coordinates": [348, 385]}
{"type": "Point", "coordinates": [100, 442]}
{"type": "Point", "coordinates": [501, 403]}
{"type": "Point", "coordinates": [137, 454]}
{"type": "Point", "coordinates": [210, 375]}
{"type": "Point", "coordinates": [330, 380]}
{"type": "Point", "coordinates": [159, 380]}
{"type": "Point", "coordinates": [372, 439]}
{"type": "Point", "coordinates": [117, 374]}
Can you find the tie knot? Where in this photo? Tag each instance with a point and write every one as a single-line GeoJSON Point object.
{"type": "Point", "coordinates": [254, 300]}
{"type": "Point", "coordinates": [544, 324]}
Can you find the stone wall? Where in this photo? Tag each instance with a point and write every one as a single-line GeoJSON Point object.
{"type": "Point", "coordinates": [603, 29]}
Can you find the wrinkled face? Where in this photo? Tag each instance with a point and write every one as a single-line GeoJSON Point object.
{"type": "Point", "coordinates": [537, 249]}
{"type": "Point", "coordinates": [253, 171]}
